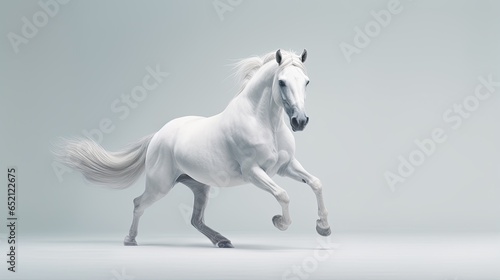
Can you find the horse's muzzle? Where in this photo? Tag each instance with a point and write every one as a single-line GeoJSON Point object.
{"type": "Point", "coordinates": [299, 122]}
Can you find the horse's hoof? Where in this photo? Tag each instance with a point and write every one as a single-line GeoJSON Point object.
{"type": "Point", "coordinates": [129, 241]}
{"type": "Point", "coordinates": [278, 222]}
{"type": "Point", "coordinates": [323, 231]}
{"type": "Point", "coordinates": [225, 244]}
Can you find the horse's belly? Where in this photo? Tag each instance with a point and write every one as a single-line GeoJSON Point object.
{"type": "Point", "coordinates": [210, 171]}
{"type": "Point", "coordinates": [203, 155]}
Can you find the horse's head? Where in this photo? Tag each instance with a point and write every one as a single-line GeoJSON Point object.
{"type": "Point", "coordinates": [289, 90]}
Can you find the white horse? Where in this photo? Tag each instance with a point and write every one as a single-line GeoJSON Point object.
{"type": "Point", "coordinates": [248, 142]}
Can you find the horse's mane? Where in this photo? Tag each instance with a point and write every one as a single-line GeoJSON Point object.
{"type": "Point", "coordinates": [246, 68]}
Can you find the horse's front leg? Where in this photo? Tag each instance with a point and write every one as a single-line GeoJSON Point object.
{"type": "Point", "coordinates": [259, 177]}
{"type": "Point", "coordinates": [295, 171]}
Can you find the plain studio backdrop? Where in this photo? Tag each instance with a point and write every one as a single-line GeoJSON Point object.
{"type": "Point", "coordinates": [371, 96]}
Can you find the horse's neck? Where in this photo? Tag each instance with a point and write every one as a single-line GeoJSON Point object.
{"type": "Point", "coordinates": [258, 96]}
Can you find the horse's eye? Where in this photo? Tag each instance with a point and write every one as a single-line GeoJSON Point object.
{"type": "Point", "coordinates": [307, 83]}
{"type": "Point", "coordinates": [282, 83]}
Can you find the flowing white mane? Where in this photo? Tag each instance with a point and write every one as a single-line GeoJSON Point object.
{"type": "Point", "coordinates": [246, 68]}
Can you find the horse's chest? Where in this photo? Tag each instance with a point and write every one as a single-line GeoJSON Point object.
{"type": "Point", "coordinates": [265, 148]}
{"type": "Point", "coordinates": [276, 157]}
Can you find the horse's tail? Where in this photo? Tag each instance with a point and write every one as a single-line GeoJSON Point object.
{"type": "Point", "coordinates": [117, 170]}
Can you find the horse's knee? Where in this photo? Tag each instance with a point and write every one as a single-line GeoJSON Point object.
{"type": "Point", "coordinates": [282, 197]}
{"type": "Point", "coordinates": [316, 185]}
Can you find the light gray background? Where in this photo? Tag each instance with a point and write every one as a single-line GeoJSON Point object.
{"type": "Point", "coordinates": [363, 114]}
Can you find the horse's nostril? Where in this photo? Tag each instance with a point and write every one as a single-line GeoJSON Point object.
{"type": "Point", "coordinates": [295, 123]}
{"type": "Point", "coordinates": [307, 120]}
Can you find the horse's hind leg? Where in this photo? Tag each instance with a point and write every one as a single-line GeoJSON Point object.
{"type": "Point", "coordinates": [200, 192]}
{"type": "Point", "coordinates": [155, 189]}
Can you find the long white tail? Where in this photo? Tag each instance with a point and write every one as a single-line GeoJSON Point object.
{"type": "Point", "coordinates": [117, 170]}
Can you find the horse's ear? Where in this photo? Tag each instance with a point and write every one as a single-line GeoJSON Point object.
{"type": "Point", "coordinates": [303, 57]}
{"type": "Point", "coordinates": [278, 56]}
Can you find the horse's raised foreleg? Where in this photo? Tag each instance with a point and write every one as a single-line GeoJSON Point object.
{"type": "Point", "coordinates": [259, 177]}
{"type": "Point", "coordinates": [295, 171]}
{"type": "Point", "coordinates": [200, 192]}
